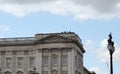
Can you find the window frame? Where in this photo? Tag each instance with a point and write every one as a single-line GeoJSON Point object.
{"type": "Point", "coordinates": [8, 62]}
{"type": "Point", "coordinates": [64, 60]}
{"type": "Point", "coordinates": [54, 59]}
{"type": "Point", "coordinates": [20, 62]}
{"type": "Point", "coordinates": [45, 60]}
{"type": "Point", "coordinates": [31, 61]}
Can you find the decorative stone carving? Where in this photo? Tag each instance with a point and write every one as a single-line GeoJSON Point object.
{"type": "Point", "coordinates": [54, 72]}
{"type": "Point", "coordinates": [54, 38]}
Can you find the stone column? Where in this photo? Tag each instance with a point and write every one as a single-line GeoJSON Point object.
{"type": "Point", "coordinates": [14, 62]}
{"type": "Point", "coordinates": [38, 61]}
{"type": "Point", "coordinates": [49, 62]}
{"type": "Point", "coordinates": [59, 62]}
{"type": "Point", "coordinates": [82, 68]}
{"type": "Point", "coordinates": [73, 61]}
{"type": "Point", "coordinates": [70, 61]}
{"type": "Point", "coordinates": [26, 61]}
{"type": "Point", "coordinates": [2, 61]}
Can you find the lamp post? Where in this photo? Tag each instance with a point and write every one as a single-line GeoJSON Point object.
{"type": "Point", "coordinates": [111, 49]}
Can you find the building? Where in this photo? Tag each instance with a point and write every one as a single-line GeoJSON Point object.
{"type": "Point", "coordinates": [50, 53]}
{"type": "Point", "coordinates": [86, 71]}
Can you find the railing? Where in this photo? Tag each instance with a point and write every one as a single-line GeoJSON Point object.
{"type": "Point", "coordinates": [17, 39]}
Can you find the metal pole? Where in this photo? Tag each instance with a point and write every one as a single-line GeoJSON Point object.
{"type": "Point", "coordinates": [111, 64]}
{"type": "Point", "coordinates": [111, 50]}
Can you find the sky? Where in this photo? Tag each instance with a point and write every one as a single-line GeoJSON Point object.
{"type": "Point", "coordinates": [92, 20]}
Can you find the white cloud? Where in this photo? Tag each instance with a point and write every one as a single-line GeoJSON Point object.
{"type": "Point", "coordinates": [104, 43]}
{"type": "Point", "coordinates": [89, 42]}
{"type": "Point", "coordinates": [98, 70]}
{"type": "Point", "coordinates": [89, 45]}
{"type": "Point", "coordinates": [80, 9]}
{"type": "Point", "coordinates": [103, 52]}
{"type": "Point", "coordinates": [116, 55]}
{"type": "Point", "coordinates": [4, 28]}
{"type": "Point", "coordinates": [103, 55]}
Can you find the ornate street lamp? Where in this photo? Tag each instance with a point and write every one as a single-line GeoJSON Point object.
{"type": "Point", "coordinates": [34, 71]}
{"type": "Point", "coordinates": [111, 49]}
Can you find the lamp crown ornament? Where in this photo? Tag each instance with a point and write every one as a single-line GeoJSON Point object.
{"type": "Point", "coordinates": [110, 44]}
{"type": "Point", "coordinates": [110, 40]}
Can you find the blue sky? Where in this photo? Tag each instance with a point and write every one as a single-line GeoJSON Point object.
{"type": "Point", "coordinates": [92, 21]}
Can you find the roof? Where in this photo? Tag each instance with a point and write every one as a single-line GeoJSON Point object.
{"type": "Point", "coordinates": [43, 38]}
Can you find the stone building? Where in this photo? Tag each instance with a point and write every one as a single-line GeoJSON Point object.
{"type": "Point", "coordinates": [86, 71]}
{"type": "Point", "coordinates": [49, 53]}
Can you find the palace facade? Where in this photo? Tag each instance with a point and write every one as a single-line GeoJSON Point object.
{"type": "Point", "coordinates": [49, 53]}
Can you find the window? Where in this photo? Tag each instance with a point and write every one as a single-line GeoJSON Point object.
{"type": "Point", "coordinates": [64, 50]}
{"type": "Point", "coordinates": [20, 61]}
{"type": "Point", "coordinates": [75, 61]}
{"type": "Point", "coordinates": [54, 60]}
{"type": "Point", "coordinates": [54, 50]}
{"type": "Point", "coordinates": [45, 60]}
{"type": "Point", "coordinates": [8, 52]}
{"type": "Point", "coordinates": [8, 62]}
{"type": "Point", "coordinates": [64, 60]}
{"type": "Point", "coordinates": [32, 61]}
{"type": "Point", "coordinates": [31, 52]}
{"type": "Point", "coordinates": [45, 72]}
{"type": "Point", "coordinates": [45, 50]}
{"type": "Point", "coordinates": [20, 52]}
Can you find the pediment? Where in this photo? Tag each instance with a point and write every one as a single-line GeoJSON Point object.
{"type": "Point", "coordinates": [55, 38]}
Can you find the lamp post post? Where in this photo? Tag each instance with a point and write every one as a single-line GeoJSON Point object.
{"type": "Point", "coordinates": [111, 49]}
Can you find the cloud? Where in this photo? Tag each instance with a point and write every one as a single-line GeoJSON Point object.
{"type": "Point", "coordinates": [4, 28]}
{"type": "Point", "coordinates": [21, 1]}
{"type": "Point", "coordinates": [89, 42]}
{"type": "Point", "coordinates": [103, 53]}
{"type": "Point", "coordinates": [116, 55]}
{"type": "Point", "coordinates": [80, 9]}
{"type": "Point", "coordinates": [89, 45]}
{"type": "Point", "coordinates": [98, 70]}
